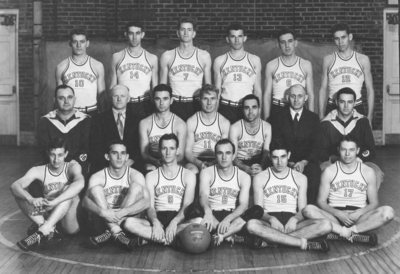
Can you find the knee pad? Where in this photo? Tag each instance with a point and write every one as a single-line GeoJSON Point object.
{"type": "Point", "coordinates": [194, 210]}
{"type": "Point", "coordinates": [253, 212]}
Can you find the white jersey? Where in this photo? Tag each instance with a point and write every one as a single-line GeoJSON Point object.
{"type": "Point", "coordinates": [238, 78]}
{"type": "Point", "coordinates": [185, 74]}
{"type": "Point", "coordinates": [205, 137]}
{"type": "Point", "coordinates": [345, 73]}
{"type": "Point", "coordinates": [115, 189]}
{"type": "Point", "coordinates": [53, 184]}
{"type": "Point", "coordinates": [250, 146]}
{"type": "Point", "coordinates": [83, 80]}
{"type": "Point", "coordinates": [169, 192]}
{"type": "Point", "coordinates": [156, 132]}
{"type": "Point", "coordinates": [348, 189]}
{"type": "Point", "coordinates": [286, 76]}
{"type": "Point", "coordinates": [224, 193]}
{"type": "Point", "coordinates": [280, 194]}
{"type": "Point", "coordinates": [135, 72]}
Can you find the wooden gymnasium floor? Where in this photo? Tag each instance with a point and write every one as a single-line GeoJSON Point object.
{"type": "Point", "coordinates": [69, 257]}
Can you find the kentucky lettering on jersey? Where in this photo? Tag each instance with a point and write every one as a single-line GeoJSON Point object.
{"type": "Point", "coordinates": [54, 184]}
{"type": "Point", "coordinates": [186, 68]}
{"type": "Point", "coordinates": [207, 136]}
{"type": "Point", "coordinates": [281, 189]}
{"type": "Point", "coordinates": [234, 69]}
{"type": "Point", "coordinates": [234, 193]}
{"type": "Point", "coordinates": [169, 189]}
{"type": "Point", "coordinates": [289, 75]}
{"type": "Point", "coordinates": [79, 74]}
{"type": "Point", "coordinates": [134, 66]}
{"type": "Point", "coordinates": [346, 70]}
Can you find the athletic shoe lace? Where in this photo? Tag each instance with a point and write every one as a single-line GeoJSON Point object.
{"type": "Point", "coordinates": [33, 239]}
{"type": "Point", "coordinates": [103, 237]}
{"type": "Point", "coordinates": [122, 238]}
{"type": "Point", "coordinates": [359, 238]}
{"type": "Point", "coordinates": [314, 245]}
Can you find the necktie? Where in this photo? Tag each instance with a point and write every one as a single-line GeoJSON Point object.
{"type": "Point", "coordinates": [120, 126]}
{"type": "Point", "coordinates": [296, 123]}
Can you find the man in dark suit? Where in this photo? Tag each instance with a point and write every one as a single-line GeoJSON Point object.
{"type": "Point", "coordinates": [299, 128]}
{"type": "Point", "coordinates": [111, 125]}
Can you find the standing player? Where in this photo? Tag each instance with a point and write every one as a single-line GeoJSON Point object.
{"type": "Point", "coordinates": [284, 72]}
{"type": "Point", "coordinates": [185, 68]}
{"type": "Point", "coordinates": [345, 68]}
{"type": "Point", "coordinates": [282, 192]}
{"type": "Point", "coordinates": [205, 129]}
{"type": "Point", "coordinates": [114, 194]}
{"type": "Point", "coordinates": [137, 69]}
{"type": "Point", "coordinates": [156, 125]}
{"type": "Point", "coordinates": [82, 73]}
{"type": "Point", "coordinates": [251, 137]}
{"type": "Point", "coordinates": [237, 74]}
{"type": "Point", "coordinates": [348, 197]}
{"type": "Point", "coordinates": [61, 183]}
{"type": "Point", "coordinates": [171, 189]}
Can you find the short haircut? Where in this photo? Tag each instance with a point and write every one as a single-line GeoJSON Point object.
{"type": "Point", "coordinates": [251, 97]}
{"type": "Point", "coordinates": [340, 27]}
{"type": "Point", "coordinates": [115, 142]}
{"type": "Point", "coordinates": [166, 137]}
{"type": "Point", "coordinates": [224, 142]}
{"type": "Point", "coordinates": [234, 26]}
{"type": "Point", "coordinates": [63, 86]}
{"type": "Point", "coordinates": [57, 142]}
{"type": "Point", "coordinates": [278, 144]}
{"type": "Point", "coordinates": [78, 31]}
{"type": "Point", "coordinates": [190, 20]}
{"type": "Point", "coordinates": [348, 138]}
{"type": "Point", "coordinates": [134, 24]}
{"type": "Point", "coordinates": [286, 31]}
{"type": "Point", "coordinates": [346, 90]}
{"type": "Point", "coordinates": [163, 87]}
{"type": "Point", "coordinates": [208, 89]}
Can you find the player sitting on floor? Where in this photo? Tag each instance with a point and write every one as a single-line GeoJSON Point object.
{"type": "Point", "coordinates": [282, 192]}
{"type": "Point", "coordinates": [115, 194]}
{"type": "Point", "coordinates": [61, 183]}
{"type": "Point", "coordinates": [348, 197]}
{"type": "Point", "coordinates": [171, 189]}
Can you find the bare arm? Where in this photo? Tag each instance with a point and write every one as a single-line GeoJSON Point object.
{"type": "Point", "coordinates": [302, 196]}
{"type": "Point", "coordinates": [217, 73]}
{"type": "Point", "coordinates": [267, 141]}
{"type": "Point", "coordinates": [151, 213]}
{"type": "Point", "coordinates": [307, 66]}
{"type": "Point", "coordinates": [144, 142]}
{"type": "Point", "coordinates": [101, 85]}
{"type": "Point", "coordinates": [323, 91]}
{"type": "Point", "coordinates": [18, 187]}
{"type": "Point", "coordinates": [190, 181]}
{"type": "Point", "coordinates": [59, 71]}
{"type": "Point", "coordinates": [257, 84]}
{"type": "Point", "coordinates": [369, 85]}
{"type": "Point", "coordinates": [181, 132]}
{"type": "Point", "coordinates": [267, 98]}
{"type": "Point", "coordinates": [234, 135]}
{"type": "Point", "coordinates": [206, 64]}
{"type": "Point", "coordinates": [191, 126]}
{"type": "Point", "coordinates": [116, 58]}
{"type": "Point", "coordinates": [372, 191]}
{"type": "Point", "coordinates": [324, 188]}
{"type": "Point", "coordinates": [205, 180]}
{"type": "Point", "coordinates": [154, 77]}
{"type": "Point", "coordinates": [165, 62]}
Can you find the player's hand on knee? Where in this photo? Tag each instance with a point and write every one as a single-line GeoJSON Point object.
{"type": "Point", "coordinates": [275, 224]}
{"type": "Point", "coordinates": [223, 227]}
{"type": "Point", "coordinates": [208, 221]}
{"type": "Point", "coordinates": [109, 216]}
{"type": "Point", "coordinates": [157, 234]}
{"type": "Point", "coordinates": [170, 232]}
{"type": "Point", "coordinates": [291, 225]}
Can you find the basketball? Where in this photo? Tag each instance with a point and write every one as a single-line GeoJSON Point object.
{"type": "Point", "coordinates": [195, 238]}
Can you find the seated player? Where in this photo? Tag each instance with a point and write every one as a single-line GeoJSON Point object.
{"type": "Point", "coordinates": [348, 197]}
{"type": "Point", "coordinates": [224, 195]}
{"type": "Point", "coordinates": [205, 129]}
{"type": "Point", "coordinates": [171, 189]}
{"type": "Point", "coordinates": [114, 194]}
{"type": "Point", "coordinates": [282, 192]}
{"type": "Point", "coordinates": [251, 137]}
{"type": "Point", "coordinates": [163, 121]}
{"type": "Point", "coordinates": [61, 183]}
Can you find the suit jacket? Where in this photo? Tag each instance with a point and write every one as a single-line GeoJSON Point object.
{"type": "Point", "coordinates": [103, 130]}
{"type": "Point", "coordinates": [303, 145]}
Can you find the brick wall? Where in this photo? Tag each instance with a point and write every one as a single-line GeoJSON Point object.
{"type": "Point", "coordinates": [105, 19]}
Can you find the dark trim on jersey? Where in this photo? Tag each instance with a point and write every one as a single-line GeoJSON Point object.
{"type": "Point", "coordinates": [337, 172]}
{"type": "Point", "coordinates": [289, 66]}
{"type": "Point", "coordinates": [91, 67]}
{"type": "Point", "coordinates": [65, 70]}
{"type": "Point", "coordinates": [260, 126]}
{"type": "Point", "coordinates": [223, 63]}
{"type": "Point", "coordinates": [347, 173]}
{"type": "Point", "coordinates": [338, 55]}
{"type": "Point", "coordinates": [235, 172]}
{"type": "Point", "coordinates": [134, 57]}
{"type": "Point", "coordinates": [333, 63]}
{"type": "Point", "coordinates": [273, 173]}
{"type": "Point", "coordinates": [302, 69]}
{"type": "Point", "coordinates": [56, 175]}
{"type": "Point", "coordinates": [197, 122]}
{"type": "Point", "coordinates": [216, 116]}
{"type": "Point", "coordinates": [290, 173]}
{"type": "Point", "coordinates": [171, 119]}
{"type": "Point", "coordinates": [170, 179]}
{"type": "Point", "coordinates": [197, 58]}
{"type": "Point", "coordinates": [120, 61]}
{"type": "Point", "coordinates": [237, 60]}
{"type": "Point", "coordinates": [294, 180]}
{"type": "Point", "coordinates": [115, 178]}
{"type": "Point", "coordinates": [361, 67]}
{"type": "Point", "coordinates": [362, 175]}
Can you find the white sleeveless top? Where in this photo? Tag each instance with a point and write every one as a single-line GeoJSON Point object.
{"type": "Point", "coordinates": [135, 72]}
{"type": "Point", "coordinates": [286, 76]}
{"type": "Point", "coordinates": [115, 189]}
{"type": "Point", "coordinates": [169, 192]}
{"type": "Point", "coordinates": [224, 193]}
{"type": "Point", "coordinates": [83, 80]}
{"type": "Point", "coordinates": [156, 132]}
{"type": "Point", "coordinates": [205, 137]}
{"type": "Point", "coordinates": [238, 78]}
{"type": "Point", "coordinates": [280, 194]}
{"type": "Point", "coordinates": [53, 184]}
{"type": "Point", "coordinates": [348, 189]}
{"type": "Point", "coordinates": [185, 74]}
{"type": "Point", "coordinates": [250, 146]}
{"type": "Point", "coordinates": [345, 73]}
